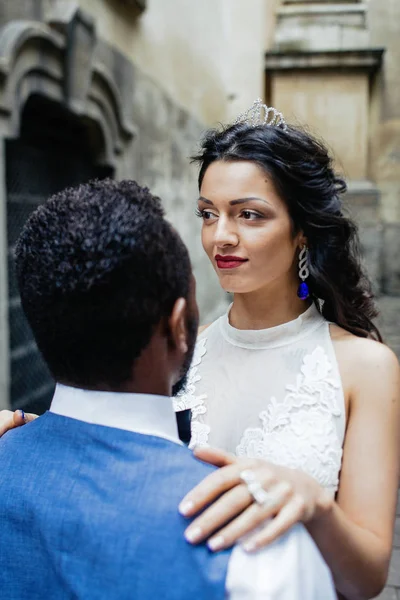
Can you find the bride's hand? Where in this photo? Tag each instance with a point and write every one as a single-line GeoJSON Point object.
{"type": "Point", "coordinates": [292, 497]}
{"type": "Point", "coordinates": [10, 420]}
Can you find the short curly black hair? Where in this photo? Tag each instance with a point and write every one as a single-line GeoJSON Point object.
{"type": "Point", "coordinates": [98, 268]}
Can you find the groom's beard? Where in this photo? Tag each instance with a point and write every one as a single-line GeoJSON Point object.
{"type": "Point", "coordinates": [180, 385]}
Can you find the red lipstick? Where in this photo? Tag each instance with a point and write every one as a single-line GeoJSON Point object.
{"type": "Point", "coordinates": [229, 262]}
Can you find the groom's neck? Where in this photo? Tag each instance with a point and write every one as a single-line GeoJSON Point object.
{"type": "Point", "coordinates": [150, 374]}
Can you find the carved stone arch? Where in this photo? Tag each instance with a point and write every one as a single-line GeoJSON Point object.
{"type": "Point", "coordinates": [30, 57]}
{"type": "Point", "coordinates": [60, 61]}
{"type": "Point", "coordinates": [105, 98]}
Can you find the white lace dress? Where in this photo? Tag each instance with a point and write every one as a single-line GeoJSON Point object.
{"type": "Point", "coordinates": [274, 394]}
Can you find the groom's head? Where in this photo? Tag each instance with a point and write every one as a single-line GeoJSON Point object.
{"type": "Point", "coordinates": [107, 287]}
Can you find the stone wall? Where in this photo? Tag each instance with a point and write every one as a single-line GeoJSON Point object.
{"type": "Point", "coordinates": [335, 105]}
{"type": "Point", "coordinates": [384, 27]}
{"type": "Point", "coordinates": [198, 52]}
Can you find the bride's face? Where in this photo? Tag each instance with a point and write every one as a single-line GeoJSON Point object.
{"type": "Point", "coordinates": [247, 231]}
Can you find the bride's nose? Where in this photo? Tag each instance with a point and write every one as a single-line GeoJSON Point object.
{"type": "Point", "coordinates": [226, 233]}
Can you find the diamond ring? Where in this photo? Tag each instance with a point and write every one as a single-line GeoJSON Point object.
{"type": "Point", "coordinates": [256, 491]}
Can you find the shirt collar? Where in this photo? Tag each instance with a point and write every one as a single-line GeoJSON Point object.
{"type": "Point", "coordinates": [142, 413]}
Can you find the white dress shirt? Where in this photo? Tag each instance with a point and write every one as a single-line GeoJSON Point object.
{"type": "Point", "coordinates": [291, 568]}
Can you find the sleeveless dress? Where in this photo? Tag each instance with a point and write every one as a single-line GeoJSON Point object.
{"type": "Point", "coordinates": [274, 394]}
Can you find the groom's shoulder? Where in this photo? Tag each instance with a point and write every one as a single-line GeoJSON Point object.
{"type": "Point", "coordinates": [183, 456]}
{"type": "Point", "coordinates": [175, 462]}
{"type": "Point", "coordinates": [162, 457]}
{"type": "Point", "coordinates": [14, 436]}
{"type": "Point", "coordinates": [29, 445]}
{"type": "Point", "coordinates": [194, 463]}
{"type": "Point", "coordinates": [36, 431]}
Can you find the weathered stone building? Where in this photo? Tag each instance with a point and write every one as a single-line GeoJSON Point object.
{"type": "Point", "coordinates": [125, 88]}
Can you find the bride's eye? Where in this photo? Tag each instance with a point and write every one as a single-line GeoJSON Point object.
{"type": "Point", "coordinates": [250, 215]}
{"type": "Point", "coordinates": [205, 214]}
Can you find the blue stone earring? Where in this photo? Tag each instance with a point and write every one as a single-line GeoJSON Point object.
{"type": "Point", "coordinates": [303, 292]}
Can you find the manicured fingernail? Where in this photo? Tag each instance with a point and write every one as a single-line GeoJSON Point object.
{"type": "Point", "coordinates": [21, 412]}
{"type": "Point", "coordinates": [192, 535]}
{"type": "Point", "coordinates": [185, 507]}
{"type": "Point", "coordinates": [249, 546]}
{"type": "Point", "coordinates": [216, 543]}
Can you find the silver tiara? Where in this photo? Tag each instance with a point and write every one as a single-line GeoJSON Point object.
{"type": "Point", "coordinates": [261, 114]}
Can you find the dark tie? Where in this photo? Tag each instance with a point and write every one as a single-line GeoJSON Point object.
{"type": "Point", "coordinates": [183, 419]}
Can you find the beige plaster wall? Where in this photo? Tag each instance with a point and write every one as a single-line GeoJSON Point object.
{"type": "Point", "coordinates": [335, 107]}
{"type": "Point", "coordinates": [272, 7]}
{"type": "Point", "coordinates": [207, 55]}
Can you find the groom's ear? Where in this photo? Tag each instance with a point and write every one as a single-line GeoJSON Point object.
{"type": "Point", "coordinates": [177, 325]}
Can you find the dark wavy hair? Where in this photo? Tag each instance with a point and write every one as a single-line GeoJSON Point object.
{"type": "Point", "coordinates": [301, 169]}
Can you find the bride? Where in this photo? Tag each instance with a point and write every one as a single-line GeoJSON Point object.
{"type": "Point", "coordinates": [292, 385]}
{"type": "Point", "coordinates": [293, 381]}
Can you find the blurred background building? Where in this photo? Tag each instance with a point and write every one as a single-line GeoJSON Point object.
{"type": "Point", "coordinates": [125, 88]}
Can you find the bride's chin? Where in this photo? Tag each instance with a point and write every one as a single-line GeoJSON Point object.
{"type": "Point", "coordinates": [236, 287]}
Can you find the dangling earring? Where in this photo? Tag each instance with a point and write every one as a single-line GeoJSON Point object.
{"type": "Point", "coordinates": [303, 292]}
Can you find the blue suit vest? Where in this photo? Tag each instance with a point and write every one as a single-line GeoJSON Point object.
{"type": "Point", "coordinates": [91, 512]}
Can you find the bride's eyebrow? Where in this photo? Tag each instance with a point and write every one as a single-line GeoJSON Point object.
{"type": "Point", "coordinates": [237, 201]}
{"type": "Point", "coordinates": [244, 200]}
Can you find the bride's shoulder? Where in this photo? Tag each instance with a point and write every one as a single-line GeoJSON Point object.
{"type": "Point", "coordinates": [350, 342]}
{"type": "Point", "coordinates": [364, 358]}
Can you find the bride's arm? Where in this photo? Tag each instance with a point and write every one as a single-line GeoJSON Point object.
{"type": "Point", "coordinates": [354, 533]}
{"type": "Point", "coordinates": [355, 537]}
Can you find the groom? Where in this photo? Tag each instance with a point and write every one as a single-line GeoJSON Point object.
{"type": "Point", "coordinates": [89, 492]}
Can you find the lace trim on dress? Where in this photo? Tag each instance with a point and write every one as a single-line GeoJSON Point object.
{"type": "Point", "coordinates": [300, 432]}
{"type": "Point", "coordinates": [188, 399]}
